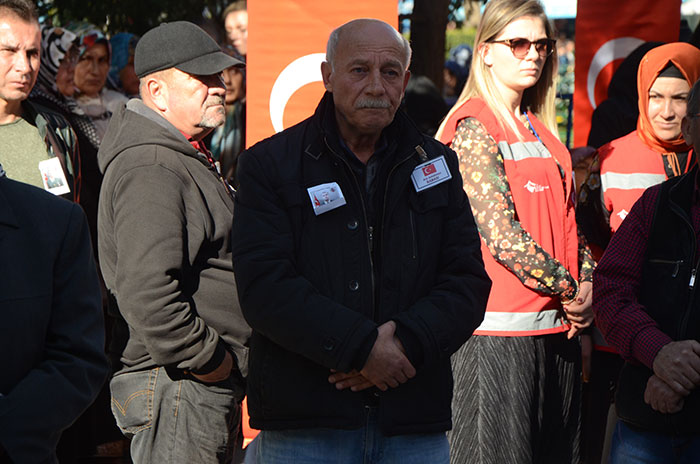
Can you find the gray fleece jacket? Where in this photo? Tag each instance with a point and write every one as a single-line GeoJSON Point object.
{"type": "Point", "coordinates": [164, 243]}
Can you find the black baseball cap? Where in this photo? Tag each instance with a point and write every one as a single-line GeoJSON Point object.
{"type": "Point", "coordinates": [182, 45]}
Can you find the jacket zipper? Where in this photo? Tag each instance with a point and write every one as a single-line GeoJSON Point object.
{"type": "Point", "coordinates": [370, 229]}
{"type": "Point", "coordinates": [212, 168]}
{"type": "Point", "coordinates": [413, 234]}
{"type": "Point", "coordinates": [422, 154]}
{"type": "Point", "coordinates": [691, 283]}
{"type": "Point", "coordinates": [424, 157]}
{"type": "Point", "coordinates": [689, 309]}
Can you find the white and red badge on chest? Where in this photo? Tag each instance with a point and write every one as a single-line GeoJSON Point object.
{"type": "Point", "coordinates": [430, 173]}
{"type": "Point", "coordinates": [325, 197]}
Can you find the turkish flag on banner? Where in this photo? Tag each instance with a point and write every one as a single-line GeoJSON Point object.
{"type": "Point", "coordinates": [286, 45]}
{"type": "Point", "coordinates": [606, 32]}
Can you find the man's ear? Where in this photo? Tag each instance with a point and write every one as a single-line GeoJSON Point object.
{"type": "Point", "coordinates": [686, 125]}
{"type": "Point", "coordinates": [406, 78]}
{"type": "Point", "coordinates": [326, 71]}
{"type": "Point", "coordinates": [157, 91]}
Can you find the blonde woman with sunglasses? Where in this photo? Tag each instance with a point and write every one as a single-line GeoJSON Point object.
{"type": "Point", "coordinates": [517, 380]}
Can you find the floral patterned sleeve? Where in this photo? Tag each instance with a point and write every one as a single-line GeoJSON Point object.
{"type": "Point", "coordinates": [585, 258]}
{"type": "Point", "coordinates": [484, 176]}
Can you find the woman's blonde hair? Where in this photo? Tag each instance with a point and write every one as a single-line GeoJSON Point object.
{"type": "Point", "coordinates": [539, 98]}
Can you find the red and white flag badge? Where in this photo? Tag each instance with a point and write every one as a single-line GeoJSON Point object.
{"type": "Point", "coordinates": [430, 173]}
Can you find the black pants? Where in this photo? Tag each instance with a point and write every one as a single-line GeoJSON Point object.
{"type": "Point", "coordinates": [598, 395]}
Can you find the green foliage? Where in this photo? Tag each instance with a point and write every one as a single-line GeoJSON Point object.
{"type": "Point", "coordinates": [454, 37]}
{"type": "Point", "coordinates": [135, 16]}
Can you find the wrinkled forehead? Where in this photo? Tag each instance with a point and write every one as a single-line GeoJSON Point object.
{"type": "Point", "coordinates": [371, 42]}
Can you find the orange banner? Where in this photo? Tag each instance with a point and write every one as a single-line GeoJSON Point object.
{"type": "Point", "coordinates": [286, 45]}
{"type": "Point", "coordinates": [606, 32]}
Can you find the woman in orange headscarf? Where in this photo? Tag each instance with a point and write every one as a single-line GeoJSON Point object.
{"type": "Point", "coordinates": [651, 154]}
{"type": "Point", "coordinates": [647, 156]}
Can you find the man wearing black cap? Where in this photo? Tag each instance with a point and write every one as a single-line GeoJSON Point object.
{"type": "Point", "coordinates": [164, 225]}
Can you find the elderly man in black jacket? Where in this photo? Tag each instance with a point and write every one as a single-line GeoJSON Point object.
{"type": "Point", "coordinates": [359, 269]}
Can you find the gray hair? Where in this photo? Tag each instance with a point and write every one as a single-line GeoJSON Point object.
{"type": "Point", "coordinates": [334, 38]}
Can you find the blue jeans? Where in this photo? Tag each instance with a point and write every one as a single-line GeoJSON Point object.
{"type": "Point", "coordinates": [178, 420]}
{"type": "Point", "coordinates": [366, 445]}
{"type": "Point", "coordinates": [634, 446]}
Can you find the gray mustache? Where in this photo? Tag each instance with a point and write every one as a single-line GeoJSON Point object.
{"type": "Point", "coordinates": [216, 101]}
{"type": "Point", "coordinates": [372, 103]}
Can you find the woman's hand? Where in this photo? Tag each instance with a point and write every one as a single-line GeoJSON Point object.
{"type": "Point", "coordinates": [580, 311]}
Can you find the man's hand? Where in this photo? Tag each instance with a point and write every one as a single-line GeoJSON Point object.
{"type": "Point", "coordinates": [352, 380]}
{"type": "Point", "coordinates": [661, 397]}
{"type": "Point", "coordinates": [387, 365]}
{"type": "Point", "coordinates": [580, 311]}
{"type": "Point", "coordinates": [220, 373]}
{"type": "Point", "coordinates": [678, 365]}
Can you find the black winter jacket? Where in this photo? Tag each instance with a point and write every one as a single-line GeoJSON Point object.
{"type": "Point", "coordinates": [314, 292]}
{"type": "Point", "coordinates": [669, 294]}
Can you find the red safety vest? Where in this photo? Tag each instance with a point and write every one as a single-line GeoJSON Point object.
{"type": "Point", "coordinates": [545, 208]}
{"type": "Point", "coordinates": [628, 167]}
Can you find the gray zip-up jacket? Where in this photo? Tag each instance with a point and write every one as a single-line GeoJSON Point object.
{"type": "Point", "coordinates": [164, 227]}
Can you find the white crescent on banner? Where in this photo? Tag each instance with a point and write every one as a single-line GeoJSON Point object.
{"type": "Point", "coordinates": [297, 74]}
{"type": "Point", "coordinates": [610, 51]}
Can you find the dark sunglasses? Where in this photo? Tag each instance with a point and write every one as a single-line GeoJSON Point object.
{"type": "Point", "coordinates": [521, 47]}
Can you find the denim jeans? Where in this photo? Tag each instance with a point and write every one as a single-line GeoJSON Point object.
{"type": "Point", "coordinates": [178, 420]}
{"type": "Point", "coordinates": [634, 446]}
{"type": "Point", "coordinates": [366, 445]}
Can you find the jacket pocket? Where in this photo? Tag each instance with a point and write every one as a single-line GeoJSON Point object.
{"type": "Point", "coordinates": [132, 400]}
{"type": "Point", "coordinates": [425, 218]}
{"type": "Point", "coordinates": [669, 266]}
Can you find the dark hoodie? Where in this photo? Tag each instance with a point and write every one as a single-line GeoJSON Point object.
{"type": "Point", "coordinates": [164, 243]}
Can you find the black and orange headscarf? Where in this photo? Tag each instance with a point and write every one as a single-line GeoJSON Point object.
{"type": "Point", "coordinates": [686, 58]}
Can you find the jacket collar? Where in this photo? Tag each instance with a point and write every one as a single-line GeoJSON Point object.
{"type": "Point", "coordinates": [684, 192]}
